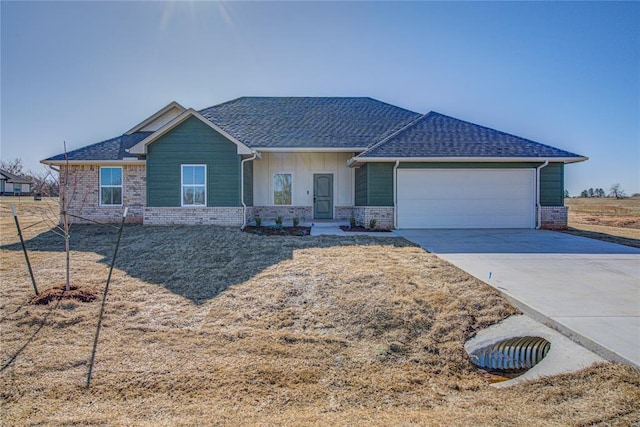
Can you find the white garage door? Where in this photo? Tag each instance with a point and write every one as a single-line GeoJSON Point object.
{"type": "Point", "coordinates": [466, 198]}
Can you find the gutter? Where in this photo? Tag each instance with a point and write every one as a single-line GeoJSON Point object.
{"type": "Point", "coordinates": [395, 194]}
{"type": "Point", "coordinates": [244, 207]}
{"type": "Point", "coordinates": [538, 206]}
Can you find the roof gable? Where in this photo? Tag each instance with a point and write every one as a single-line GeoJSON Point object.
{"type": "Point", "coordinates": [141, 147]}
{"type": "Point", "coordinates": [436, 135]}
{"type": "Point", "coordinates": [308, 122]}
{"type": "Point", "coordinates": [158, 119]}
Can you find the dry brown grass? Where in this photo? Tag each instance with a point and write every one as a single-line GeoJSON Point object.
{"type": "Point", "coordinates": [608, 219]}
{"type": "Point", "coordinates": [211, 326]}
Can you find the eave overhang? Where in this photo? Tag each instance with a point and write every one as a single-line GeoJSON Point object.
{"type": "Point", "coordinates": [121, 162]}
{"type": "Point", "coordinates": [356, 161]}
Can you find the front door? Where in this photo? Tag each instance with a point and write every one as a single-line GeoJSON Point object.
{"type": "Point", "coordinates": [323, 196]}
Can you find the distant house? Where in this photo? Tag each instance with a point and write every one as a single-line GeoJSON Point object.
{"type": "Point", "coordinates": [13, 185]}
{"type": "Point", "coordinates": [315, 159]}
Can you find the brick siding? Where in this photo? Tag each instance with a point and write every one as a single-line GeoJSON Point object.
{"type": "Point", "coordinates": [554, 217]}
{"type": "Point", "coordinates": [83, 194]}
{"type": "Point", "coordinates": [270, 213]}
{"type": "Point", "coordinates": [225, 216]}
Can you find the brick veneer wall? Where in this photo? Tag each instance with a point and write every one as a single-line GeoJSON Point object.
{"type": "Point", "coordinates": [83, 194]}
{"type": "Point", "coordinates": [554, 217]}
{"type": "Point", "coordinates": [382, 214]}
{"type": "Point", "coordinates": [344, 213]}
{"type": "Point", "coordinates": [228, 216]}
{"type": "Point", "coordinates": [270, 213]}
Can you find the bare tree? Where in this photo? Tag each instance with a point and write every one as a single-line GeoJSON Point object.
{"type": "Point", "coordinates": [68, 185]}
{"type": "Point", "coordinates": [43, 182]}
{"type": "Point", "coordinates": [616, 191]}
{"type": "Point", "coordinates": [14, 166]}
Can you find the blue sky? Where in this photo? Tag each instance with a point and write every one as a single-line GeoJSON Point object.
{"type": "Point", "coordinates": [564, 74]}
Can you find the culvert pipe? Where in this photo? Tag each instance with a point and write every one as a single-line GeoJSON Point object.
{"type": "Point", "coordinates": [512, 354]}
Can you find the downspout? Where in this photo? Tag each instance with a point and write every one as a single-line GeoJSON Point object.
{"type": "Point", "coordinates": [244, 207]}
{"type": "Point", "coordinates": [538, 206]}
{"type": "Point", "coordinates": [395, 194]}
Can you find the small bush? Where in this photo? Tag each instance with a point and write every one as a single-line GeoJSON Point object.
{"type": "Point", "coordinates": [279, 221]}
{"type": "Point", "coordinates": [372, 223]}
{"type": "Point", "coordinates": [296, 221]}
{"type": "Point", "coordinates": [352, 222]}
{"type": "Point", "coordinates": [258, 221]}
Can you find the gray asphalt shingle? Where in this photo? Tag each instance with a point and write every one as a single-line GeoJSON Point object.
{"type": "Point", "coordinates": [339, 123]}
{"type": "Point", "coordinates": [329, 122]}
{"type": "Point", "coordinates": [111, 149]}
{"type": "Point", "coordinates": [437, 135]}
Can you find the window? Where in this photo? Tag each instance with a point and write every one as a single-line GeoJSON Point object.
{"type": "Point", "coordinates": [194, 185]}
{"type": "Point", "coordinates": [110, 186]}
{"type": "Point", "coordinates": [282, 189]}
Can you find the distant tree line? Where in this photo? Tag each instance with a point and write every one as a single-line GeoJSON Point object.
{"type": "Point", "coordinates": [615, 191]}
{"type": "Point", "coordinates": [42, 182]}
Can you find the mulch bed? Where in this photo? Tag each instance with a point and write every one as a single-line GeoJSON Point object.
{"type": "Point", "coordinates": [58, 292]}
{"type": "Point", "coordinates": [278, 231]}
{"type": "Point", "coordinates": [362, 229]}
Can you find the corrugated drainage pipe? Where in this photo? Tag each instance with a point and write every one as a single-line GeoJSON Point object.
{"type": "Point", "coordinates": [512, 354]}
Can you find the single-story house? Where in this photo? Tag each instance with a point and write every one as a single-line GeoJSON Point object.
{"type": "Point", "coordinates": [13, 185]}
{"type": "Point", "coordinates": [317, 158]}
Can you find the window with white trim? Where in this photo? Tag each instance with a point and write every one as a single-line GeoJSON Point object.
{"type": "Point", "coordinates": [194, 185]}
{"type": "Point", "coordinates": [110, 186]}
{"type": "Point", "coordinates": [282, 188]}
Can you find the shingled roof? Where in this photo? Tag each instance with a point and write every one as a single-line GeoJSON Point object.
{"type": "Point", "coordinates": [380, 130]}
{"type": "Point", "coordinates": [111, 149]}
{"type": "Point", "coordinates": [313, 122]}
{"type": "Point", "coordinates": [436, 135]}
{"type": "Point", "coordinates": [12, 178]}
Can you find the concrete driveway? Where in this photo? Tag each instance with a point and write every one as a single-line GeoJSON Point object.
{"type": "Point", "coordinates": [587, 289]}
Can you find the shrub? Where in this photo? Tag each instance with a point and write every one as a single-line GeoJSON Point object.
{"type": "Point", "coordinates": [279, 221]}
{"type": "Point", "coordinates": [372, 223]}
{"type": "Point", "coordinates": [352, 222]}
{"type": "Point", "coordinates": [258, 221]}
{"type": "Point", "coordinates": [296, 221]}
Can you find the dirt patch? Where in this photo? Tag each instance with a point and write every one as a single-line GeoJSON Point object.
{"type": "Point", "coordinates": [208, 323]}
{"type": "Point", "coordinates": [361, 229]}
{"type": "Point", "coordinates": [607, 219]}
{"type": "Point", "coordinates": [608, 212]}
{"type": "Point", "coordinates": [278, 231]}
{"type": "Point", "coordinates": [60, 293]}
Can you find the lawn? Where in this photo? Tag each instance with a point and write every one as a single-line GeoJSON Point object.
{"type": "Point", "coordinates": [211, 326]}
{"type": "Point", "coordinates": [609, 219]}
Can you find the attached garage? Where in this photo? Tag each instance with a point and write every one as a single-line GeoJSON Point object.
{"type": "Point", "coordinates": [465, 198]}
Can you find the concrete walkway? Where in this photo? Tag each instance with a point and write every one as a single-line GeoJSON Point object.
{"type": "Point", "coordinates": [587, 289]}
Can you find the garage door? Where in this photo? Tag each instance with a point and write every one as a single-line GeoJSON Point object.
{"type": "Point", "coordinates": [466, 198]}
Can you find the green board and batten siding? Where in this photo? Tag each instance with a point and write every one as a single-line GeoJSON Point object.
{"type": "Point", "coordinates": [552, 185]}
{"type": "Point", "coordinates": [193, 142]}
{"type": "Point", "coordinates": [374, 184]}
{"type": "Point", "coordinates": [374, 181]}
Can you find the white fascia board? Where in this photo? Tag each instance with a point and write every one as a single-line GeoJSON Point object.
{"type": "Point", "coordinates": [159, 113]}
{"type": "Point", "coordinates": [141, 147]}
{"type": "Point", "coordinates": [467, 159]}
{"type": "Point", "coordinates": [309, 149]}
{"type": "Point", "coordinates": [94, 162]}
